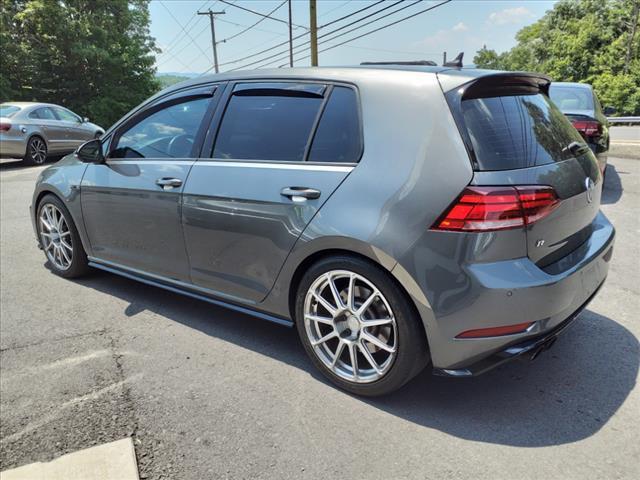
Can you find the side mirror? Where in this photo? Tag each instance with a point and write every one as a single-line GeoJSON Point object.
{"type": "Point", "coordinates": [610, 110]}
{"type": "Point", "coordinates": [91, 152]}
{"type": "Point", "coordinates": [85, 120]}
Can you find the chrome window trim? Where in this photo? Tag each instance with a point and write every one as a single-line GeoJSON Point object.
{"type": "Point", "coordinates": [220, 162]}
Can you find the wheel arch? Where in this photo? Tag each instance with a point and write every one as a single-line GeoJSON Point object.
{"type": "Point", "coordinates": [76, 215]}
{"type": "Point", "coordinates": [378, 259]}
{"type": "Point", "coordinates": [38, 200]}
{"type": "Point", "coordinates": [41, 136]}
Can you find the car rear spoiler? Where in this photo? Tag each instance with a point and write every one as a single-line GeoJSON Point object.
{"type": "Point", "coordinates": [473, 83]}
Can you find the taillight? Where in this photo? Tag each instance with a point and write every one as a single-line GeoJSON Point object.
{"type": "Point", "coordinates": [5, 126]}
{"type": "Point", "coordinates": [589, 128]}
{"type": "Point", "coordinates": [484, 209]}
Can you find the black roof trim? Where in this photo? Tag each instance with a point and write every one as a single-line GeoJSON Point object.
{"type": "Point", "coordinates": [423, 63]}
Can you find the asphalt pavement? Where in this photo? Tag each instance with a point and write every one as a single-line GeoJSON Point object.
{"type": "Point", "coordinates": [208, 393]}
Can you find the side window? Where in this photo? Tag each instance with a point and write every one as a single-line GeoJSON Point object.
{"type": "Point", "coordinates": [66, 115]}
{"type": "Point", "coordinates": [338, 136]}
{"type": "Point", "coordinates": [167, 133]}
{"type": "Point", "coordinates": [44, 113]}
{"type": "Point", "coordinates": [268, 123]}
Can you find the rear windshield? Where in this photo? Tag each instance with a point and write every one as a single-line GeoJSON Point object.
{"type": "Point", "coordinates": [571, 99]}
{"type": "Point", "coordinates": [7, 111]}
{"type": "Point", "coordinates": [517, 131]}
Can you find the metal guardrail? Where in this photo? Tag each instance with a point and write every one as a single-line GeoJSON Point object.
{"type": "Point", "coordinates": [624, 120]}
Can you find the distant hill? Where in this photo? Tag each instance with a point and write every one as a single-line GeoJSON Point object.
{"type": "Point", "coordinates": [178, 74]}
{"type": "Point", "coordinates": [168, 79]}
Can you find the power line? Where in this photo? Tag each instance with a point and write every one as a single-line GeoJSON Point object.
{"type": "Point", "coordinates": [383, 27]}
{"type": "Point", "coordinates": [301, 35]}
{"type": "Point", "coordinates": [259, 14]}
{"type": "Point", "coordinates": [366, 33]}
{"type": "Point", "coordinates": [252, 26]}
{"type": "Point", "coordinates": [337, 30]}
{"type": "Point", "coordinates": [177, 38]}
{"type": "Point", "coordinates": [386, 50]}
{"type": "Point", "coordinates": [408, 17]}
{"type": "Point", "coordinates": [241, 25]}
{"type": "Point", "coordinates": [184, 47]}
{"type": "Point", "coordinates": [170, 55]}
{"type": "Point", "coordinates": [351, 14]}
{"type": "Point", "coordinates": [183, 29]}
{"type": "Point", "coordinates": [334, 9]}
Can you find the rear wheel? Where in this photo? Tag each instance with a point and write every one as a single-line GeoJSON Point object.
{"type": "Point", "coordinates": [36, 151]}
{"type": "Point", "coordinates": [60, 239]}
{"type": "Point", "coordinates": [357, 327]}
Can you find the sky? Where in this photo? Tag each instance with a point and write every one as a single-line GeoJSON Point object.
{"type": "Point", "coordinates": [460, 25]}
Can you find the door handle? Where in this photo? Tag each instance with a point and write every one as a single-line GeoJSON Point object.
{"type": "Point", "coordinates": [300, 193]}
{"type": "Point", "coordinates": [168, 182]}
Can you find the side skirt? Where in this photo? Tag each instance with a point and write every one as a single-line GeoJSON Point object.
{"type": "Point", "coordinates": [140, 277]}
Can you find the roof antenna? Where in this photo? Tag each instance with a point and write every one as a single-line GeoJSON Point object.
{"type": "Point", "coordinates": [456, 62]}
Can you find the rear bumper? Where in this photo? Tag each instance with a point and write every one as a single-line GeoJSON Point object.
{"type": "Point", "coordinates": [530, 348]}
{"type": "Point", "coordinates": [462, 293]}
{"type": "Point", "coordinates": [12, 147]}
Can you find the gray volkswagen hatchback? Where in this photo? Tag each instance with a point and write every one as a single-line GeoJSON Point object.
{"type": "Point", "coordinates": [396, 216]}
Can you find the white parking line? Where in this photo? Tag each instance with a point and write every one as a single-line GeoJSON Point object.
{"type": "Point", "coordinates": [65, 362]}
{"type": "Point", "coordinates": [70, 403]}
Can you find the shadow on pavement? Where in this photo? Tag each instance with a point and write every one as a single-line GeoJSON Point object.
{"type": "Point", "coordinates": [612, 191]}
{"type": "Point", "coordinates": [18, 164]}
{"type": "Point", "coordinates": [566, 395]}
{"type": "Point", "coordinates": [7, 165]}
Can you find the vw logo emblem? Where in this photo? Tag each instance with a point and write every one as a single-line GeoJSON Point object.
{"type": "Point", "coordinates": [589, 185]}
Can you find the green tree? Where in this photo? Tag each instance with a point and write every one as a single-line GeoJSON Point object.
{"type": "Point", "coordinates": [591, 41]}
{"type": "Point", "coordinates": [95, 57]}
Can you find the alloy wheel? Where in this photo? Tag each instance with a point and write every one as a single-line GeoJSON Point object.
{"type": "Point", "coordinates": [56, 237]}
{"type": "Point", "coordinates": [350, 326]}
{"type": "Point", "coordinates": [38, 151]}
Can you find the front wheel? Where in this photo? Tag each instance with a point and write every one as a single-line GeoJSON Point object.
{"type": "Point", "coordinates": [357, 326]}
{"type": "Point", "coordinates": [59, 239]}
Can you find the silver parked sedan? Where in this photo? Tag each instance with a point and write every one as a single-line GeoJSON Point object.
{"type": "Point", "coordinates": [397, 217]}
{"type": "Point", "coordinates": [33, 131]}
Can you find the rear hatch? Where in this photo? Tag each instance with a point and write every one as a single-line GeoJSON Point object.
{"type": "Point", "coordinates": [517, 138]}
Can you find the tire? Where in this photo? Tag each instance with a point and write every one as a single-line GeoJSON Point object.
{"type": "Point", "coordinates": [36, 151]}
{"type": "Point", "coordinates": [60, 239]}
{"type": "Point", "coordinates": [405, 352]}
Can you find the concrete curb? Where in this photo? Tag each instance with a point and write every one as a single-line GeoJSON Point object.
{"type": "Point", "coordinates": [110, 461]}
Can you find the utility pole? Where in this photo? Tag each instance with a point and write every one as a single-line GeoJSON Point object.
{"type": "Point", "coordinates": [213, 36]}
{"type": "Point", "coordinates": [290, 38]}
{"type": "Point", "coordinates": [313, 25]}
